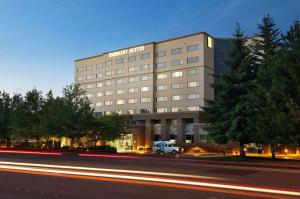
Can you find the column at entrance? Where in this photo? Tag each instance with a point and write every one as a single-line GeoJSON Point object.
{"type": "Point", "coordinates": [163, 123]}
{"type": "Point", "coordinates": [148, 133]}
{"type": "Point", "coordinates": [196, 130]}
{"type": "Point", "coordinates": [179, 131]}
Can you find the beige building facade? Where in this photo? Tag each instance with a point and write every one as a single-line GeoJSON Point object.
{"type": "Point", "coordinates": [161, 87]}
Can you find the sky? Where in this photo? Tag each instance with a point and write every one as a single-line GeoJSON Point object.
{"type": "Point", "coordinates": [40, 39]}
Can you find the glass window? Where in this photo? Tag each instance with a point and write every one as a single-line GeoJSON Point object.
{"type": "Point", "coordinates": [89, 67]}
{"type": "Point", "coordinates": [176, 62]}
{"type": "Point", "coordinates": [192, 84]}
{"type": "Point", "coordinates": [79, 69]}
{"type": "Point", "coordinates": [108, 82]}
{"type": "Point", "coordinates": [145, 67]}
{"type": "Point", "coordinates": [108, 93]}
{"type": "Point", "coordinates": [192, 47]}
{"type": "Point", "coordinates": [119, 81]}
{"type": "Point", "coordinates": [132, 101]}
{"type": "Point", "coordinates": [132, 90]}
{"type": "Point", "coordinates": [99, 75]}
{"type": "Point", "coordinates": [145, 56]}
{"type": "Point", "coordinates": [209, 42]}
{"type": "Point", "coordinates": [100, 65]}
{"type": "Point", "coordinates": [161, 53]}
{"type": "Point", "coordinates": [161, 87]}
{"type": "Point", "coordinates": [108, 63]}
{"type": "Point", "coordinates": [120, 102]}
{"type": "Point", "coordinates": [121, 91]}
{"type": "Point", "coordinates": [99, 94]}
{"type": "Point", "coordinates": [90, 95]}
{"type": "Point", "coordinates": [161, 110]}
{"type": "Point", "coordinates": [130, 112]}
{"type": "Point", "coordinates": [193, 96]}
{"type": "Point", "coordinates": [89, 86]}
{"type": "Point", "coordinates": [191, 60]}
{"type": "Point", "coordinates": [178, 85]}
{"type": "Point", "coordinates": [192, 72]}
{"type": "Point", "coordinates": [177, 109]}
{"type": "Point", "coordinates": [99, 84]}
{"type": "Point", "coordinates": [80, 78]}
{"type": "Point", "coordinates": [98, 104]}
{"type": "Point", "coordinates": [109, 73]}
{"type": "Point", "coordinates": [161, 76]}
{"type": "Point", "coordinates": [88, 77]}
{"type": "Point", "coordinates": [176, 51]}
{"type": "Point", "coordinates": [177, 74]}
{"type": "Point", "coordinates": [161, 99]}
{"type": "Point", "coordinates": [120, 71]}
{"type": "Point", "coordinates": [132, 79]}
{"type": "Point", "coordinates": [119, 61]}
{"type": "Point", "coordinates": [161, 65]}
{"type": "Point", "coordinates": [145, 89]}
{"type": "Point", "coordinates": [176, 97]}
{"type": "Point", "coordinates": [132, 58]}
{"type": "Point", "coordinates": [145, 99]}
{"type": "Point", "coordinates": [132, 69]}
{"type": "Point", "coordinates": [145, 77]}
{"type": "Point", "coordinates": [108, 103]}
{"type": "Point", "coordinates": [193, 108]}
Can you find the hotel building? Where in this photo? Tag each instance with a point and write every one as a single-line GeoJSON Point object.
{"type": "Point", "coordinates": [161, 87]}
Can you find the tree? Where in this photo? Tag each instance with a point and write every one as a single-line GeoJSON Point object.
{"type": "Point", "coordinates": [271, 94]}
{"type": "Point", "coordinates": [228, 115]}
{"type": "Point", "coordinates": [5, 105]}
{"type": "Point", "coordinates": [78, 112]}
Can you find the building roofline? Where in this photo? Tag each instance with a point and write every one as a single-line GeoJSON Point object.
{"type": "Point", "coordinates": [162, 41]}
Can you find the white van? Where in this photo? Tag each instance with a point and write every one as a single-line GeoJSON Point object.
{"type": "Point", "coordinates": [166, 147]}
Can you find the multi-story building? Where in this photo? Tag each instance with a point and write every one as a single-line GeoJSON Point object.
{"type": "Point", "coordinates": [160, 86]}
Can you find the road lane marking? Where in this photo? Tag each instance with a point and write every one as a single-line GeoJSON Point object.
{"type": "Point", "coordinates": [161, 180]}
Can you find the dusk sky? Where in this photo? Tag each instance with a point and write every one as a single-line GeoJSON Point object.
{"type": "Point", "coordinates": [40, 39]}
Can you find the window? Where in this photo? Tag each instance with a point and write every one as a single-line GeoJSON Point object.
{"type": "Point", "coordinates": [192, 72]}
{"type": "Point", "coordinates": [132, 79]}
{"type": "Point", "coordinates": [161, 65]}
{"type": "Point", "coordinates": [177, 74]}
{"type": "Point", "coordinates": [145, 56]}
{"type": "Point", "coordinates": [130, 112]}
{"type": "Point", "coordinates": [89, 86]}
{"type": "Point", "coordinates": [121, 91]}
{"type": "Point", "coordinates": [161, 110]}
{"type": "Point", "coordinates": [132, 58]}
{"type": "Point", "coordinates": [99, 94]}
{"type": "Point", "coordinates": [177, 109]}
{"type": "Point", "coordinates": [145, 110]}
{"type": "Point", "coordinates": [88, 77]}
{"type": "Point", "coordinates": [132, 69]}
{"type": "Point", "coordinates": [99, 65]}
{"type": "Point", "coordinates": [176, 62]}
{"type": "Point", "coordinates": [192, 47]}
{"type": "Point", "coordinates": [89, 67]}
{"type": "Point", "coordinates": [79, 69]}
{"type": "Point", "coordinates": [108, 63]}
{"type": "Point", "coordinates": [99, 75]}
{"type": "Point", "coordinates": [98, 104]}
{"type": "Point", "coordinates": [145, 89]}
{"type": "Point", "coordinates": [191, 60]}
{"type": "Point", "coordinates": [192, 84]}
{"type": "Point", "coordinates": [161, 99]}
{"type": "Point", "coordinates": [108, 82]}
{"type": "Point", "coordinates": [176, 51]}
{"type": "Point", "coordinates": [193, 108]}
{"type": "Point", "coordinates": [120, 102]}
{"type": "Point", "coordinates": [176, 97]}
{"type": "Point", "coordinates": [145, 77]}
{"type": "Point", "coordinates": [145, 67]}
{"type": "Point", "coordinates": [90, 95]}
{"type": "Point", "coordinates": [175, 86]}
{"type": "Point", "coordinates": [119, 61]}
{"type": "Point", "coordinates": [209, 42]}
{"type": "Point", "coordinates": [120, 71]}
{"type": "Point", "coordinates": [161, 76]}
{"type": "Point", "coordinates": [108, 103]}
{"type": "Point", "coordinates": [108, 93]}
{"type": "Point", "coordinates": [132, 90]}
{"type": "Point", "coordinates": [109, 73]}
{"type": "Point", "coordinates": [161, 53]}
{"type": "Point", "coordinates": [132, 101]}
{"type": "Point", "coordinates": [119, 81]}
{"type": "Point", "coordinates": [193, 96]}
{"type": "Point", "coordinates": [80, 78]}
{"type": "Point", "coordinates": [99, 84]}
{"type": "Point", "coordinates": [161, 87]}
{"type": "Point", "coordinates": [145, 99]}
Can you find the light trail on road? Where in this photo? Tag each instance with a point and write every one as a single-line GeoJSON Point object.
{"type": "Point", "coordinates": [30, 152]}
{"type": "Point", "coordinates": [82, 171]}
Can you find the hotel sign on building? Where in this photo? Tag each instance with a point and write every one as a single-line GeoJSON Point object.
{"type": "Point", "coordinates": [126, 51]}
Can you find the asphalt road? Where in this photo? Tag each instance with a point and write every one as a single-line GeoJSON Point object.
{"type": "Point", "coordinates": [131, 177]}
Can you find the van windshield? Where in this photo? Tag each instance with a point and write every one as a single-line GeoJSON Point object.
{"type": "Point", "coordinates": [175, 145]}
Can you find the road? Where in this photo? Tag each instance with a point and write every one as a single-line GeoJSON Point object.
{"type": "Point", "coordinates": [34, 176]}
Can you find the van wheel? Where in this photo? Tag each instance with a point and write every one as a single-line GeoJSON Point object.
{"type": "Point", "coordinates": [174, 152]}
{"type": "Point", "coordinates": [158, 152]}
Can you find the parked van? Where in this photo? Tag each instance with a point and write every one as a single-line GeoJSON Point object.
{"type": "Point", "coordinates": [166, 147]}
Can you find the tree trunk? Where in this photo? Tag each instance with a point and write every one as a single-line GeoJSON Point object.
{"type": "Point", "coordinates": [273, 151]}
{"type": "Point", "coordinates": [8, 142]}
{"type": "Point", "coordinates": [71, 143]}
{"type": "Point", "coordinates": [242, 151]}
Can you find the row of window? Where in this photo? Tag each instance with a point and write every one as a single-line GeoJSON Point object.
{"type": "Point", "coordinates": [144, 56]}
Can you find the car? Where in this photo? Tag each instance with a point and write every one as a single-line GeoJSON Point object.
{"type": "Point", "coordinates": [166, 147]}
